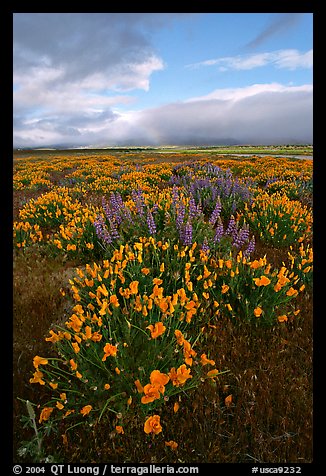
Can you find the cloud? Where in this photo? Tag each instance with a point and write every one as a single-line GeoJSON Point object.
{"type": "Point", "coordinates": [106, 47]}
{"type": "Point", "coordinates": [278, 23]}
{"type": "Point", "coordinates": [72, 69]}
{"type": "Point", "coordinates": [290, 59]}
{"type": "Point", "coordinates": [256, 114]}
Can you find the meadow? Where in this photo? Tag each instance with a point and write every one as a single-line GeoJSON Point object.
{"type": "Point", "coordinates": [162, 307]}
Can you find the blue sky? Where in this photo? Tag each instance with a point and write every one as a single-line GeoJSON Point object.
{"type": "Point", "coordinates": [151, 79]}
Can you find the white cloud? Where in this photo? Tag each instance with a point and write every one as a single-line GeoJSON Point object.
{"type": "Point", "coordinates": [260, 113]}
{"type": "Point", "coordinates": [287, 59]}
{"type": "Point", "coordinates": [236, 94]}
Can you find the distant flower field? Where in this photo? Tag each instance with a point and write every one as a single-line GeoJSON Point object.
{"type": "Point", "coordinates": [163, 253]}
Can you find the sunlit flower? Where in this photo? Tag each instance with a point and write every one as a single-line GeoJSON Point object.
{"type": "Point", "coordinates": [172, 444]}
{"type": "Point", "coordinates": [109, 350]}
{"type": "Point", "coordinates": [39, 361]}
{"type": "Point", "coordinates": [54, 337]}
{"type": "Point", "coordinates": [179, 376]}
{"type": "Point", "coordinates": [139, 386]}
{"type": "Point", "coordinates": [73, 364]}
{"type": "Point", "coordinates": [283, 318]}
{"type": "Point", "coordinates": [212, 373]}
{"type": "Point", "coordinates": [119, 429]}
{"type": "Point", "coordinates": [96, 336]}
{"type": "Point", "coordinates": [134, 287]}
{"type": "Point", "coordinates": [291, 292]}
{"type": "Point", "coordinates": [86, 409]}
{"type": "Point", "coordinates": [159, 379]}
{"type": "Point", "coordinates": [179, 336]}
{"type": "Point", "coordinates": [107, 386]}
{"type": "Point", "coordinates": [258, 311]}
{"type": "Point", "coordinates": [204, 360]}
{"type": "Point", "coordinates": [114, 300]}
{"type": "Point", "coordinates": [151, 393]}
{"type": "Point", "coordinates": [262, 281]}
{"type": "Point", "coordinates": [37, 378]}
{"type": "Point", "coordinates": [45, 414]}
{"type": "Point", "coordinates": [157, 330]}
{"type": "Point", "coordinates": [228, 400]}
{"type": "Point", "coordinates": [225, 288]}
{"type": "Point", "coordinates": [176, 407]}
{"type": "Point", "coordinates": [153, 425]}
{"type": "Point", "coordinates": [255, 264]}
{"type": "Point", "coordinates": [75, 347]}
{"type": "Point", "coordinates": [188, 352]}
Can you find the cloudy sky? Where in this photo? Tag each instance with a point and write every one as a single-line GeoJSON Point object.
{"type": "Point", "coordinates": [103, 79]}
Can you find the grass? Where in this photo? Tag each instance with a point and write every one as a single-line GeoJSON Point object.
{"type": "Point", "coordinates": [270, 380]}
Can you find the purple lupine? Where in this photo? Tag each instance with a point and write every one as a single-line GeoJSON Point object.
{"type": "Point", "coordinates": [114, 230]}
{"type": "Point", "coordinates": [233, 206]}
{"type": "Point", "coordinates": [232, 227]}
{"type": "Point", "coordinates": [117, 205]}
{"type": "Point", "coordinates": [205, 246]}
{"type": "Point", "coordinates": [102, 231]}
{"type": "Point", "coordinates": [251, 247]}
{"type": "Point", "coordinates": [216, 212]}
{"type": "Point", "coordinates": [175, 195]}
{"type": "Point", "coordinates": [107, 209]}
{"type": "Point", "coordinates": [138, 198]}
{"type": "Point", "coordinates": [181, 211]}
{"type": "Point", "coordinates": [151, 223]}
{"type": "Point", "coordinates": [187, 234]}
{"type": "Point", "coordinates": [242, 237]}
{"type": "Point", "coordinates": [219, 231]}
{"type": "Point", "coordinates": [192, 208]}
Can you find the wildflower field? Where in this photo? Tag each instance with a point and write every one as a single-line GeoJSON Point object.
{"type": "Point", "coordinates": [162, 307]}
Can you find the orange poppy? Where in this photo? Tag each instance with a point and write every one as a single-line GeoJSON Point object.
{"type": "Point", "coordinates": [109, 350]}
{"type": "Point", "coordinates": [159, 379]}
{"type": "Point", "coordinates": [139, 386]}
{"type": "Point", "coordinates": [45, 414]}
{"type": "Point", "coordinates": [283, 318]}
{"type": "Point", "coordinates": [212, 373]}
{"type": "Point", "coordinates": [179, 376]}
{"type": "Point", "coordinates": [262, 281]}
{"type": "Point", "coordinates": [37, 378]}
{"type": "Point", "coordinates": [225, 288]}
{"type": "Point", "coordinates": [291, 292]}
{"type": "Point", "coordinates": [86, 409]}
{"type": "Point", "coordinates": [39, 361]}
{"type": "Point", "coordinates": [204, 360]}
{"type": "Point", "coordinates": [153, 425]}
{"type": "Point", "coordinates": [228, 400]}
{"type": "Point", "coordinates": [134, 287]}
{"type": "Point", "coordinates": [157, 330]}
{"type": "Point", "coordinates": [172, 444]}
{"type": "Point", "coordinates": [73, 364]}
{"type": "Point", "coordinates": [258, 311]}
{"type": "Point", "coordinates": [179, 336]}
{"type": "Point", "coordinates": [151, 393]}
{"type": "Point", "coordinates": [114, 300]}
